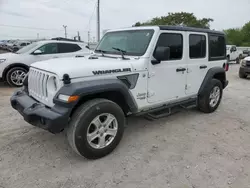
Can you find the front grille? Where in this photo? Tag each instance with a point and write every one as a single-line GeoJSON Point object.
{"type": "Point", "coordinates": [248, 63]}
{"type": "Point", "coordinates": [37, 86]}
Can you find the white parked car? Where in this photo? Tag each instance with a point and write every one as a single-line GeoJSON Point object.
{"type": "Point", "coordinates": [233, 54]}
{"type": "Point", "coordinates": [14, 66]}
{"type": "Point", "coordinates": [152, 71]}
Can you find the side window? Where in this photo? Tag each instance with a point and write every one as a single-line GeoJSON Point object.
{"type": "Point", "coordinates": [67, 47]}
{"type": "Point", "coordinates": [174, 41]}
{"type": "Point", "coordinates": [23, 44]}
{"type": "Point", "coordinates": [50, 48]}
{"type": "Point", "coordinates": [197, 46]}
{"type": "Point", "coordinates": [217, 46]}
{"type": "Point", "coordinates": [233, 49]}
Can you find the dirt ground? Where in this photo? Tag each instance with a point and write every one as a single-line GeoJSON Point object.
{"type": "Point", "coordinates": [186, 150]}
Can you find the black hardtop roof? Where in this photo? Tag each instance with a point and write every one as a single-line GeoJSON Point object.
{"type": "Point", "coordinates": [194, 29]}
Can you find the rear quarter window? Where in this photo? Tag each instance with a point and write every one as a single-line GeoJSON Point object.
{"type": "Point", "coordinates": [217, 47]}
{"type": "Point", "coordinates": [68, 47]}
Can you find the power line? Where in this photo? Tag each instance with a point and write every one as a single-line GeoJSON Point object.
{"type": "Point", "coordinates": [40, 29]}
{"type": "Point", "coordinates": [90, 19]}
{"type": "Point", "coordinates": [23, 27]}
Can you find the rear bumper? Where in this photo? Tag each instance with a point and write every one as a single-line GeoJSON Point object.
{"type": "Point", "coordinates": [52, 119]}
{"type": "Point", "coordinates": [245, 70]}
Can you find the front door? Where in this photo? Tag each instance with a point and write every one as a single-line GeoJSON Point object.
{"type": "Point", "coordinates": [167, 79]}
{"type": "Point", "coordinates": [49, 51]}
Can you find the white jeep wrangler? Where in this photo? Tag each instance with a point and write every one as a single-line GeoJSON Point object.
{"type": "Point", "coordinates": [151, 71]}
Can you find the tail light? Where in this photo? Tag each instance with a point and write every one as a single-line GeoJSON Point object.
{"type": "Point", "coordinates": [226, 66]}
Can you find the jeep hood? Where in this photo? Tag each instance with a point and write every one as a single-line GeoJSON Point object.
{"type": "Point", "coordinates": [82, 66]}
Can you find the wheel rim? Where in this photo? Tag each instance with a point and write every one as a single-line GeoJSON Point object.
{"type": "Point", "coordinates": [102, 131]}
{"type": "Point", "coordinates": [17, 77]}
{"type": "Point", "coordinates": [214, 96]}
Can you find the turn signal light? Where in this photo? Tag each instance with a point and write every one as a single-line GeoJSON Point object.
{"type": "Point", "coordinates": [67, 98]}
{"type": "Point", "coordinates": [73, 98]}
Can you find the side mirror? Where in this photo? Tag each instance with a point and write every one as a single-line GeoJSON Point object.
{"type": "Point", "coordinates": [161, 54]}
{"type": "Point", "coordinates": [37, 52]}
{"type": "Point", "coordinates": [87, 47]}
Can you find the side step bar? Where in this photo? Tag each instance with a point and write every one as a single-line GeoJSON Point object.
{"type": "Point", "coordinates": [167, 110]}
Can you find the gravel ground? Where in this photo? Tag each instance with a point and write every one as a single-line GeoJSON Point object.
{"type": "Point", "coordinates": [186, 150]}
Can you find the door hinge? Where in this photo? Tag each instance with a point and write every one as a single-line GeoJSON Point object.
{"type": "Point", "coordinates": [150, 94]}
{"type": "Point", "coordinates": [151, 74]}
{"type": "Point", "coordinates": [187, 86]}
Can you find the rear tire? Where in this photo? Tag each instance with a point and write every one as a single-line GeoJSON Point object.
{"type": "Point", "coordinates": [15, 76]}
{"type": "Point", "coordinates": [96, 143]}
{"type": "Point", "coordinates": [210, 99]}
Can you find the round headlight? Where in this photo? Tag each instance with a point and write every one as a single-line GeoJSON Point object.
{"type": "Point", "coordinates": [243, 62]}
{"type": "Point", "coordinates": [52, 84]}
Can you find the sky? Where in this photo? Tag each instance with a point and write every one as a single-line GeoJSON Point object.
{"type": "Point", "coordinates": [27, 19]}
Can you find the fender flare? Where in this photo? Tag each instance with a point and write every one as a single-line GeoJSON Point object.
{"type": "Point", "coordinates": [210, 75]}
{"type": "Point", "coordinates": [87, 88]}
{"type": "Point", "coordinates": [12, 65]}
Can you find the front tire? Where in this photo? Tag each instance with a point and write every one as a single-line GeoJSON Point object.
{"type": "Point", "coordinates": [237, 60]}
{"type": "Point", "coordinates": [15, 76]}
{"type": "Point", "coordinates": [242, 75]}
{"type": "Point", "coordinates": [210, 100]}
{"type": "Point", "coordinates": [96, 128]}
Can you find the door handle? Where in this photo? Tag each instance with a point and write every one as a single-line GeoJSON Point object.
{"type": "Point", "coordinates": [203, 66]}
{"type": "Point", "coordinates": [180, 69]}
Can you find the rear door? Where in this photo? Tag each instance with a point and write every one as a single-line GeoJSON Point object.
{"type": "Point", "coordinates": [201, 60]}
{"type": "Point", "coordinates": [197, 61]}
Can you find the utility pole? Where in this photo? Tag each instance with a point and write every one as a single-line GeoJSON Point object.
{"type": "Point", "coordinates": [78, 36]}
{"type": "Point", "coordinates": [37, 36]}
{"type": "Point", "coordinates": [88, 37]}
{"type": "Point", "coordinates": [65, 30]}
{"type": "Point", "coordinates": [98, 20]}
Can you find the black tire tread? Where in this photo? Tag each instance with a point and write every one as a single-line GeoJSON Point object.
{"type": "Point", "coordinates": [80, 111]}
{"type": "Point", "coordinates": [7, 78]}
{"type": "Point", "coordinates": [242, 75]}
{"type": "Point", "coordinates": [203, 103]}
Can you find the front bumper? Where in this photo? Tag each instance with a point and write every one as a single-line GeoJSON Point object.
{"type": "Point", "coordinates": [52, 119]}
{"type": "Point", "coordinates": [245, 70]}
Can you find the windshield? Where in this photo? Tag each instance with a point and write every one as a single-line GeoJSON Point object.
{"type": "Point", "coordinates": [132, 42]}
{"type": "Point", "coordinates": [27, 48]}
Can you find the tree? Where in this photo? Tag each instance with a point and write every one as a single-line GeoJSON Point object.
{"type": "Point", "coordinates": [179, 18]}
{"type": "Point", "coordinates": [239, 36]}
{"type": "Point", "coordinates": [246, 34]}
{"type": "Point", "coordinates": [234, 36]}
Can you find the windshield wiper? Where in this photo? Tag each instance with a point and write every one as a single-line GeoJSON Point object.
{"type": "Point", "coordinates": [102, 52]}
{"type": "Point", "coordinates": [123, 52]}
